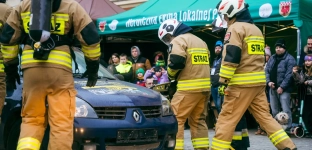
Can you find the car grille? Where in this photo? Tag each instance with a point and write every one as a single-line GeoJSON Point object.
{"type": "Point", "coordinates": [120, 112]}
{"type": "Point", "coordinates": [151, 111]}
{"type": "Point", "coordinates": [111, 112]}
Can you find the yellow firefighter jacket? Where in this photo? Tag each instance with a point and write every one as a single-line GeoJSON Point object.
{"type": "Point", "coordinates": [243, 56]}
{"type": "Point", "coordinates": [188, 63]}
{"type": "Point", "coordinates": [5, 11]}
{"type": "Point", "coordinates": [69, 15]}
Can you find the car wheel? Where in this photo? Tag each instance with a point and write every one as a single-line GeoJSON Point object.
{"type": "Point", "coordinates": [14, 135]}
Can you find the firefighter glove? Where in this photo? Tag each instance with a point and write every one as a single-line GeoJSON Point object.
{"type": "Point", "coordinates": [12, 76]}
{"type": "Point", "coordinates": [221, 89]}
{"type": "Point", "coordinates": [91, 72]}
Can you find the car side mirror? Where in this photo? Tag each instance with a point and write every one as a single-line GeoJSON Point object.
{"type": "Point", "coordinates": [119, 77]}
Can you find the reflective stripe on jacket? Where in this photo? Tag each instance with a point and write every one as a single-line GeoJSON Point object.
{"type": "Point", "coordinates": [56, 57]}
{"type": "Point", "coordinates": [195, 76]}
{"type": "Point", "coordinates": [243, 56]}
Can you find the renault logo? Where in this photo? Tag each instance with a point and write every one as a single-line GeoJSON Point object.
{"type": "Point", "coordinates": [136, 116]}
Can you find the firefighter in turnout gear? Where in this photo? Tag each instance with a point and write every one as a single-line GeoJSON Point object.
{"type": "Point", "coordinates": [243, 76]}
{"type": "Point", "coordinates": [48, 89]}
{"type": "Point", "coordinates": [188, 64]}
{"type": "Point", "coordinates": [5, 11]}
{"type": "Point", "coordinates": [240, 139]}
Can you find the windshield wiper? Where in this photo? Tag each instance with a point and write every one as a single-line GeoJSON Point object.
{"type": "Point", "coordinates": [109, 78]}
{"type": "Point", "coordinates": [77, 75]}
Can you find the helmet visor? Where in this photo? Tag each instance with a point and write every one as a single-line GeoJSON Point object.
{"type": "Point", "coordinates": [219, 23]}
{"type": "Point", "coordinates": [167, 39]}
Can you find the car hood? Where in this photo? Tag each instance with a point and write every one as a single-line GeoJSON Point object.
{"type": "Point", "coordinates": [116, 93]}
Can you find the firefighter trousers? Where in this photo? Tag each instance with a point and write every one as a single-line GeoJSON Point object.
{"type": "Point", "coordinates": [240, 140]}
{"type": "Point", "coordinates": [235, 104]}
{"type": "Point", "coordinates": [48, 97]}
{"type": "Point", "coordinates": [191, 106]}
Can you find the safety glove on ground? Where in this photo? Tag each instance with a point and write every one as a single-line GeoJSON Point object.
{"type": "Point", "coordinates": [91, 72]}
{"type": "Point", "coordinates": [12, 75]}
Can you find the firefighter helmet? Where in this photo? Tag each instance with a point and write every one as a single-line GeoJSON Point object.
{"type": "Point", "coordinates": [167, 29]}
{"type": "Point", "coordinates": [231, 7]}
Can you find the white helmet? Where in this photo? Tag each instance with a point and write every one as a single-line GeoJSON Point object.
{"type": "Point", "coordinates": [167, 27]}
{"type": "Point", "coordinates": [231, 7]}
{"type": "Point", "coordinates": [219, 23]}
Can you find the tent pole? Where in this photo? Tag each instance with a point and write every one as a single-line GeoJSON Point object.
{"type": "Point", "coordinates": [263, 30]}
{"type": "Point", "coordinates": [298, 45]}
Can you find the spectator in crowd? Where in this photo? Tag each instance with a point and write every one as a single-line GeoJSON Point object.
{"type": "Point", "coordinates": [149, 82]}
{"type": "Point", "coordinates": [279, 79]}
{"type": "Point", "coordinates": [159, 59]}
{"type": "Point", "coordinates": [306, 51]}
{"type": "Point", "coordinates": [267, 88]}
{"type": "Point", "coordinates": [113, 62]}
{"type": "Point", "coordinates": [139, 80]}
{"type": "Point", "coordinates": [138, 61]}
{"type": "Point", "coordinates": [215, 70]}
{"type": "Point", "coordinates": [158, 73]}
{"type": "Point", "coordinates": [304, 79]}
{"type": "Point", "coordinates": [124, 68]}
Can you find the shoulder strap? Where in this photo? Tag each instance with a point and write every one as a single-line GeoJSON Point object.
{"type": "Point", "coordinates": [73, 55]}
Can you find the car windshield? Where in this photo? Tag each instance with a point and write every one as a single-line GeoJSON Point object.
{"type": "Point", "coordinates": [103, 73]}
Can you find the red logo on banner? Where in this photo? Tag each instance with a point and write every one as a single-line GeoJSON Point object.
{"type": "Point", "coordinates": [285, 8]}
{"type": "Point", "coordinates": [102, 25]}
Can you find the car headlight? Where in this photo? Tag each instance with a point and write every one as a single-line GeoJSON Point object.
{"type": "Point", "coordinates": [84, 110]}
{"type": "Point", "coordinates": [166, 106]}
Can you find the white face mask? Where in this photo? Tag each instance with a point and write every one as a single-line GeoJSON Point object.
{"type": "Point", "coordinates": [219, 23]}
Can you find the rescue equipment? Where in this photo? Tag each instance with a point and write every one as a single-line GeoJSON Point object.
{"type": "Point", "coordinates": [39, 28]}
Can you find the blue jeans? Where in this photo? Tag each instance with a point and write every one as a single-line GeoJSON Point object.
{"type": "Point", "coordinates": [217, 99]}
{"type": "Point", "coordinates": [278, 101]}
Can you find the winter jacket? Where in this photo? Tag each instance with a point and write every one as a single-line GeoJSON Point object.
{"type": "Point", "coordinates": [215, 70]}
{"type": "Point", "coordinates": [284, 71]}
{"type": "Point", "coordinates": [161, 80]}
{"type": "Point", "coordinates": [302, 77]}
{"type": "Point", "coordinates": [125, 70]}
{"type": "Point", "coordinates": [141, 62]}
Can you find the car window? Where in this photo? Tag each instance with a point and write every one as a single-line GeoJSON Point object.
{"type": "Point", "coordinates": [82, 66]}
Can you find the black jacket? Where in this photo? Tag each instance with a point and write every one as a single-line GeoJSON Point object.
{"type": "Point", "coordinates": [216, 65]}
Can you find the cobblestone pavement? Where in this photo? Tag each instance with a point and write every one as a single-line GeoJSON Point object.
{"type": "Point", "coordinates": [257, 142]}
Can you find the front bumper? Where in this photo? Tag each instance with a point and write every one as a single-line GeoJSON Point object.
{"type": "Point", "coordinates": [102, 133]}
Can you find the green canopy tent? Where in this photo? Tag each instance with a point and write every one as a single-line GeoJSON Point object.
{"type": "Point", "coordinates": [276, 19]}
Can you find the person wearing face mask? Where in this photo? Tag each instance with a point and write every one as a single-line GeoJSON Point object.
{"type": "Point", "coordinates": [188, 64]}
{"type": "Point", "coordinates": [304, 79]}
{"type": "Point", "coordinates": [306, 51]}
{"type": "Point", "coordinates": [279, 79]}
{"type": "Point", "coordinates": [243, 79]}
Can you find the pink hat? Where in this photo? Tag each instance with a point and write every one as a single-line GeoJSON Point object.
{"type": "Point", "coordinates": [308, 57]}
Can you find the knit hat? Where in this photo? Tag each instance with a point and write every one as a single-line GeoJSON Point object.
{"type": "Point", "coordinates": [140, 70]}
{"type": "Point", "coordinates": [219, 43]}
{"type": "Point", "coordinates": [308, 57]}
{"type": "Point", "coordinates": [281, 43]}
{"type": "Point", "coordinates": [157, 69]}
{"type": "Point", "coordinates": [267, 50]}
